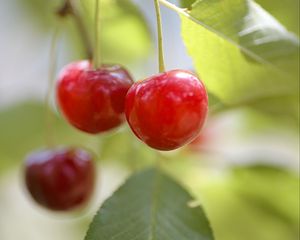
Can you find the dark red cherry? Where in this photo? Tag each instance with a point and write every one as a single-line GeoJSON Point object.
{"type": "Point", "coordinates": [167, 110]}
{"type": "Point", "coordinates": [60, 179]}
{"type": "Point", "coordinates": [93, 100]}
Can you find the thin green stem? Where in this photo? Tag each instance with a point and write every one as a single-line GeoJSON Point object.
{"type": "Point", "coordinates": [161, 60]}
{"type": "Point", "coordinates": [97, 56]}
{"type": "Point", "coordinates": [52, 70]}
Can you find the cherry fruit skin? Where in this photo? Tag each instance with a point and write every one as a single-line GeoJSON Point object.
{"type": "Point", "coordinates": [167, 110]}
{"type": "Point", "coordinates": [93, 100]}
{"type": "Point", "coordinates": [60, 179]}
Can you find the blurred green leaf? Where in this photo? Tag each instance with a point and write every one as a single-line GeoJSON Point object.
{"type": "Point", "coordinates": [283, 110]}
{"type": "Point", "coordinates": [125, 35]}
{"type": "Point", "coordinates": [275, 113]}
{"type": "Point", "coordinates": [23, 129]}
{"type": "Point", "coordinates": [241, 52]}
{"type": "Point", "coordinates": [256, 202]}
{"type": "Point", "coordinates": [41, 13]}
{"type": "Point", "coordinates": [274, 190]}
{"type": "Point", "coordinates": [124, 147]}
{"type": "Point", "coordinates": [150, 205]}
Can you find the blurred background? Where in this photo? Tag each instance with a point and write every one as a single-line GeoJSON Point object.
{"type": "Point", "coordinates": [244, 167]}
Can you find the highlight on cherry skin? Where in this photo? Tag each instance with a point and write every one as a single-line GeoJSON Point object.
{"type": "Point", "coordinates": [60, 179]}
{"type": "Point", "coordinates": [167, 110]}
{"type": "Point", "coordinates": [92, 100]}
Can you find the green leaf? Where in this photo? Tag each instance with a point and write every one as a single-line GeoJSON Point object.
{"type": "Point", "coordinates": [186, 3]}
{"type": "Point", "coordinates": [240, 51]}
{"type": "Point", "coordinates": [150, 206]}
{"type": "Point", "coordinates": [286, 12]}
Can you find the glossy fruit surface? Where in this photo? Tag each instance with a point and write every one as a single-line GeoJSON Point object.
{"type": "Point", "coordinates": [93, 100]}
{"type": "Point", "coordinates": [60, 179]}
{"type": "Point", "coordinates": [167, 110]}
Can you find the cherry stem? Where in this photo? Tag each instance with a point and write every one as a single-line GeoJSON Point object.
{"type": "Point", "coordinates": [97, 56]}
{"type": "Point", "coordinates": [161, 60]}
{"type": "Point", "coordinates": [52, 71]}
{"type": "Point", "coordinates": [69, 8]}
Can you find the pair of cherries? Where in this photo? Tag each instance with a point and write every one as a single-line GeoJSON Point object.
{"type": "Point", "coordinates": [166, 111]}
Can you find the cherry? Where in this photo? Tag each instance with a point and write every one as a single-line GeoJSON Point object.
{"type": "Point", "coordinates": [60, 179]}
{"type": "Point", "coordinates": [167, 110]}
{"type": "Point", "coordinates": [93, 100]}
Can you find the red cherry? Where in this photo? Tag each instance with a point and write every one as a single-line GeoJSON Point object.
{"type": "Point", "coordinates": [167, 110]}
{"type": "Point", "coordinates": [93, 100]}
{"type": "Point", "coordinates": [60, 179]}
